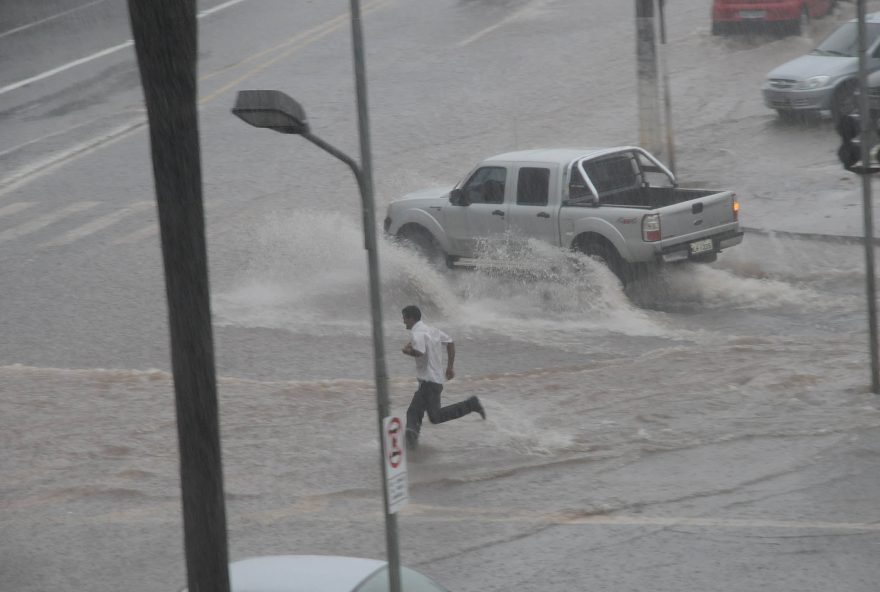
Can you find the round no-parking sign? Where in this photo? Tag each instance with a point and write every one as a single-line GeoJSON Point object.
{"type": "Point", "coordinates": [394, 451]}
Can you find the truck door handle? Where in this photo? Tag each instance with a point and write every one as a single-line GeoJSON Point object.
{"type": "Point", "coordinates": [543, 215]}
{"type": "Point", "coordinates": [498, 213]}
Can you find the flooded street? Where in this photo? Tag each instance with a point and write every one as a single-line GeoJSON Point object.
{"type": "Point", "coordinates": [707, 428]}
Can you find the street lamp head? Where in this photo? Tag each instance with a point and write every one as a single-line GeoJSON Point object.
{"type": "Point", "coordinates": [272, 109]}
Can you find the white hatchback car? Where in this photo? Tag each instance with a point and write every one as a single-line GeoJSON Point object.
{"type": "Point", "coordinates": [321, 573]}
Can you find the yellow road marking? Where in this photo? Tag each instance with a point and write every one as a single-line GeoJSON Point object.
{"type": "Point", "coordinates": [293, 45]}
{"type": "Point", "coordinates": [321, 509]}
{"type": "Point", "coordinates": [299, 41]}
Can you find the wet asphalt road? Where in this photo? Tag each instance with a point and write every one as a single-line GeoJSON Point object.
{"type": "Point", "coordinates": [711, 430]}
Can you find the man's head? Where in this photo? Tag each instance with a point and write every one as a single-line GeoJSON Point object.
{"type": "Point", "coordinates": [411, 315]}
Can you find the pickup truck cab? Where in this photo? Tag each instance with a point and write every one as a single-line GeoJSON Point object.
{"type": "Point", "coordinates": [618, 204]}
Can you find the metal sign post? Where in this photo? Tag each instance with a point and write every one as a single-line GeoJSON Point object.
{"type": "Point", "coordinates": [867, 213]}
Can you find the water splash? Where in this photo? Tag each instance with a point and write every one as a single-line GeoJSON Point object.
{"type": "Point", "coordinates": [308, 273]}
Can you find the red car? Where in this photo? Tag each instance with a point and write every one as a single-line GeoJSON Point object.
{"type": "Point", "coordinates": [793, 15]}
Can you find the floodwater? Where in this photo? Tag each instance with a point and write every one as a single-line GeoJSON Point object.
{"type": "Point", "coordinates": [568, 365]}
{"type": "Point", "coordinates": [728, 397]}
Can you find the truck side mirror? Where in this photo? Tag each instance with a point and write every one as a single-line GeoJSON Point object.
{"type": "Point", "coordinates": [457, 197]}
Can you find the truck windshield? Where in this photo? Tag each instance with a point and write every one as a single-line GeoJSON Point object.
{"type": "Point", "coordinates": [845, 40]}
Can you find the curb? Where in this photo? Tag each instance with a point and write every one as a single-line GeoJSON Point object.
{"type": "Point", "coordinates": [831, 238]}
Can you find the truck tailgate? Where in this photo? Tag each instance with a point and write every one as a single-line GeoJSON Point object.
{"type": "Point", "coordinates": [697, 217]}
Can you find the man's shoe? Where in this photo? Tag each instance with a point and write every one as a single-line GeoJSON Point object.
{"type": "Point", "coordinates": [412, 439]}
{"type": "Point", "coordinates": [476, 406]}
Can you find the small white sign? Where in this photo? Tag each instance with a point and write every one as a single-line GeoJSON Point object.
{"type": "Point", "coordinates": [394, 451]}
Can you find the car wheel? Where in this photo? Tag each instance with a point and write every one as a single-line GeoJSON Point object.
{"type": "Point", "coordinates": [717, 28]}
{"type": "Point", "coordinates": [844, 100]}
{"type": "Point", "coordinates": [787, 115]}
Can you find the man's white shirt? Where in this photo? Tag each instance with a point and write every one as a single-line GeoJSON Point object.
{"type": "Point", "coordinates": [430, 342]}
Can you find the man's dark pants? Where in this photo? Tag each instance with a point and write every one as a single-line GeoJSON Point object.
{"type": "Point", "coordinates": [427, 399]}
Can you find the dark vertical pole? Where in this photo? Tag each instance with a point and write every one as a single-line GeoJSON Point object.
{"type": "Point", "coordinates": [383, 405]}
{"type": "Point", "coordinates": [165, 42]}
{"type": "Point", "coordinates": [646, 56]}
{"type": "Point", "coordinates": [667, 101]}
{"type": "Point", "coordinates": [866, 142]}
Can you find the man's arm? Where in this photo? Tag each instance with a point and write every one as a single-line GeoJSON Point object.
{"type": "Point", "coordinates": [409, 350]}
{"type": "Point", "coordinates": [450, 360]}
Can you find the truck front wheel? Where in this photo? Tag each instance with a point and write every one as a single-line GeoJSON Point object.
{"type": "Point", "coordinates": [422, 241]}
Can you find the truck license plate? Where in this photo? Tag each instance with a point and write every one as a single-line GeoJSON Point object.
{"type": "Point", "coordinates": [702, 246]}
{"type": "Point", "coordinates": [752, 14]}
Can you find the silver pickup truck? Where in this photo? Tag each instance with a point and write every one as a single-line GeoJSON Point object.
{"type": "Point", "coordinates": [620, 205]}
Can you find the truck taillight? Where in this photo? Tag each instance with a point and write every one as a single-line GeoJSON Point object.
{"type": "Point", "coordinates": [651, 228]}
{"type": "Point", "coordinates": [735, 208]}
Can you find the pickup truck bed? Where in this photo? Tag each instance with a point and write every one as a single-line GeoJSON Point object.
{"type": "Point", "coordinates": [651, 198]}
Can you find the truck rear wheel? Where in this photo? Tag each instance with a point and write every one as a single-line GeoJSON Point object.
{"type": "Point", "coordinates": [607, 255]}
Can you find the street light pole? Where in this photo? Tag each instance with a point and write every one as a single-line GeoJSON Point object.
{"type": "Point", "coordinates": [383, 405]}
{"type": "Point", "coordinates": [274, 110]}
{"type": "Point", "coordinates": [867, 210]}
{"type": "Point", "coordinates": [667, 102]}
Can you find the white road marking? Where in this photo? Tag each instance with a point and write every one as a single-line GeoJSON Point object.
{"type": "Point", "coordinates": [219, 7]}
{"type": "Point", "coordinates": [527, 8]}
{"type": "Point", "coordinates": [43, 221]}
{"type": "Point", "coordinates": [100, 54]}
{"type": "Point", "coordinates": [67, 66]}
{"type": "Point", "coordinates": [48, 136]}
{"type": "Point", "coordinates": [35, 170]}
{"type": "Point", "coordinates": [47, 19]}
{"type": "Point", "coordinates": [15, 208]}
{"type": "Point", "coordinates": [138, 235]}
{"type": "Point", "coordinates": [97, 224]}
